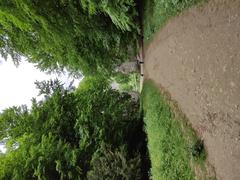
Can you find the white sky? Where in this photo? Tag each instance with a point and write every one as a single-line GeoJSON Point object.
{"type": "Point", "coordinates": [17, 83]}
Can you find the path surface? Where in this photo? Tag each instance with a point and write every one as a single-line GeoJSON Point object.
{"type": "Point", "coordinates": [196, 57]}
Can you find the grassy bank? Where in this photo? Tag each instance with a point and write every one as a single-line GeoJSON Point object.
{"type": "Point", "coordinates": [157, 12]}
{"type": "Point", "coordinates": [174, 149]}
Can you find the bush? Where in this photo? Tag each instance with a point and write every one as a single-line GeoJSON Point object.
{"type": "Point", "coordinates": [115, 165]}
{"type": "Point", "coordinates": [128, 82]}
{"type": "Point", "coordinates": [197, 148]}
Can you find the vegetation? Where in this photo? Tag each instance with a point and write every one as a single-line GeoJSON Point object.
{"type": "Point", "coordinates": [92, 132]}
{"type": "Point", "coordinates": [114, 165]}
{"type": "Point", "coordinates": [169, 139]}
{"type": "Point", "coordinates": [156, 13]}
{"type": "Point", "coordinates": [70, 134]}
{"type": "Point", "coordinates": [128, 82]}
{"type": "Point", "coordinates": [83, 35]}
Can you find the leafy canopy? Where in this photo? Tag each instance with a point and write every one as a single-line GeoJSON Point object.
{"type": "Point", "coordinates": [84, 35]}
{"type": "Point", "coordinates": [62, 136]}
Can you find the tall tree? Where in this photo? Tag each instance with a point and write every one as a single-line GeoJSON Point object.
{"type": "Point", "coordinates": [84, 35]}
{"type": "Point", "coordinates": [62, 136]}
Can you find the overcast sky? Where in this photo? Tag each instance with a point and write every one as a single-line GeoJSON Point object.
{"type": "Point", "coordinates": [17, 83]}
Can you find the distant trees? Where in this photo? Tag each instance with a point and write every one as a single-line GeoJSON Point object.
{"type": "Point", "coordinates": [70, 133]}
{"type": "Point", "coordinates": [84, 35]}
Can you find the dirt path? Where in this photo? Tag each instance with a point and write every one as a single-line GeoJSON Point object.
{"type": "Point", "coordinates": [196, 57]}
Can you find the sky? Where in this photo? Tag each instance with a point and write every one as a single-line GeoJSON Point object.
{"type": "Point", "coordinates": [17, 83]}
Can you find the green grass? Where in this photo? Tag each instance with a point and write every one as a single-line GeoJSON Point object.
{"type": "Point", "coordinates": [169, 138]}
{"type": "Point", "coordinates": [157, 12]}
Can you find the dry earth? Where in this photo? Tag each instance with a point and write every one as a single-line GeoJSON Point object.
{"type": "Point", "coordinates": [196, 57]}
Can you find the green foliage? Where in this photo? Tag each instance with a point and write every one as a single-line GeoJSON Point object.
{"type": "Point", "coordinates": [59, 137]}
{"type": "Point", "coordinates": [156, 13]}
{"type": "Point", "coordinates": [96, 116]}
{"type": "Point", "coordinates": [128, 82]}
{"type": "Point", "coordinates": [167, 143]}
{"type": "Point", "coordinates": [197, 149]}
{"type": "Point", "coordinates": [81, 35]}
{"type": "Point", "coordinates": [109, 165]}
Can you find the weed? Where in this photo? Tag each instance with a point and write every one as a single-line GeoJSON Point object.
{"type": "Point", "coordinates": [197, 148]}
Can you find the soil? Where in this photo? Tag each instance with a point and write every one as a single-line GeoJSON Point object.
{"type": "Point", "coordinates": [196, 57]}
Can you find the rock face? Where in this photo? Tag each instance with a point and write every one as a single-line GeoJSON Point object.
{"type": "Point", "coordinates": [128, 67]}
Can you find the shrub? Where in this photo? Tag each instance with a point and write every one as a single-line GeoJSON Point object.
{"type": "Point", "coordinates": [197, 148]}
{"type": "Point", "coordinates": [115, 165]}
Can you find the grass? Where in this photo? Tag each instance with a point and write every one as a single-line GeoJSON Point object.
{"type": "Point", "coordinates": [170, 139]}
{"type": "Point", "coordinates": [157, 12]}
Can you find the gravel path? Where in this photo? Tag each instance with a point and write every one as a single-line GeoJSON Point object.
{"type": "Point", "coordinates": [196, 57]}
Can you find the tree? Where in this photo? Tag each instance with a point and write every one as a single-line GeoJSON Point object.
{"type": "Point", "coordinates": [59, 137]}
{"type": "Point", "coordinates": [84, 35]}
